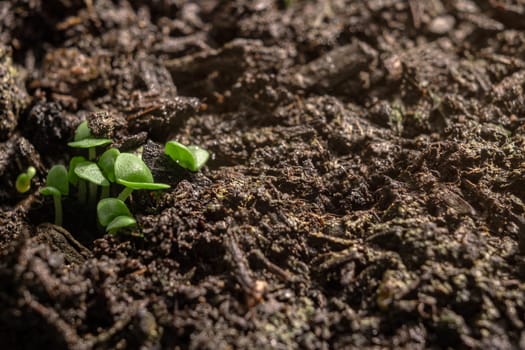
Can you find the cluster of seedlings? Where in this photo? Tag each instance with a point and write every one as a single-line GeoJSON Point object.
{"type": "Point", "coordinates": [94, 178]}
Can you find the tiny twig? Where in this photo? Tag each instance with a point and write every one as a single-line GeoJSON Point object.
{"type": "Point", "coordinates": [254, 289]}
{"type": "Point", "coordinates": [243, 273]}
{"type": "Point", "coordinates": [415, 10]}
{"type": "Point", "coordinates": [337, 241]}
{"type": "Point", "coordinates": [281, 273]}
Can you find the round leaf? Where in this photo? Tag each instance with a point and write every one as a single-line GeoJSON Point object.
{"type": "Point", "coordinates": [180, 154]}
{"type": "Point", "coordinates": [132, 172]}
{"type": "Point", "coordinates": [89, 143]}
{"type": "Point", "coordinates": [91, 172]}
{"type": "Point", "coordinates": [110, 208]}
{"type": "Point", "coordinates": [71, 175]}
{"type": "Point", "coordinates": [121, 222]}
{"type": "Point", "coordinates": [23, 183]}
{"type": "Point", "coordinates": [57, 178]}
{"type": "Point", "coordinates": [82, 131]}
{"type": "Point", "coordinates": [31, 172]}
{"type": "Point", "coordinates": [200, 155]}
{"type": "Point", "coordinates": [106, 163]}
{"type": "Point", "coordinates": [23, 180]}
{"type": "Point", "coordinates": [130, 168]}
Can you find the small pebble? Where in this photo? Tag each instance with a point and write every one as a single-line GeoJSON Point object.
{"type": "Point", "coordinates": [441, 24]}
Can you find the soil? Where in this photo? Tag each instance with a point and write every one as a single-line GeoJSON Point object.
{"type": "Point", "coordinates": [366, 186]}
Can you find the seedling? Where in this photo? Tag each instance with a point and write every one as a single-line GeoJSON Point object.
{"type": "Point", "coordinates": [23, 181]}
{"type": "Point", "coordinates": [90, 172]}
{"type": "Point", "coordinates": [189, 157]}
{"type": "Point", "coordinates": [125, 169]}
{"type": "Point", "coordinates": [134, 174]}
{"type": "Point", "coordinates": [84, 139]}
{"type": "Point", "coordinates": [113, 214]}
{"type": "Point", "coordinates": [57, 185]}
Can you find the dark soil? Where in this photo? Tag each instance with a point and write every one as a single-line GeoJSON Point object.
{"type": "Point", "coordinates": [366, 187]}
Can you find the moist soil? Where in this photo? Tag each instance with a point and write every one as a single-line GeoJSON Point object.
{"type": "Point", "coordinates": [365, 188]}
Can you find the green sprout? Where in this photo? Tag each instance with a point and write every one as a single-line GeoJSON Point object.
{"type": "Point", "coordinates": [113, 214]}
{"type": "Point", "coordinates": [134, 174]}
{"type": "Point", "coordinates": [84, 139]}
{"type": "Point", "coordinates": [57, 185]}
{"type": "Point", "coordinates": [90, 172]}
{"type": "Point", "coordinates": [112, 166]}
{"type": "Point", "coordinates": [189, 157]}
{"type": "Point", "coordinates": [23, 181]}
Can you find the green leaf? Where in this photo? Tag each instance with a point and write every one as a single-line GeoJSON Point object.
{"type": "Point", "coordinates": [132, 172]}
{"type": "Point", "coordinates": [71, 175]}
{"type": "Point", "coordinates": [110, 208]}
{"type": "Point", "coordinates": [91, 172]}
{"type": "Point", "coordinates": [180, 154]}
{"type": "Point", "coordinates": [89, 143]}
{"type": "Point", "coordinates": [50, 191]}
{"type": "Point", "coordinates": [200, 155]}
{"type": "Point", "coordinates": [22, 183]}
{"type": "Point", "coordinates": [82, 131]}
{"type": "Point", "coordinates": [191, 157]}
{"type": "Point", "coordinates": [23, 180]}
{"type": "Point", "coordinates": [106, 163]}
{"type": "Point", "coordinates": [57, 178]}
{"type": "Point", "coordinates": [143, 185]}
{"type": "Point", "coordinates": [121, 222]}
{"type": "Point", "coordinates": [31, 172]}
{"type": "Point", "coordinates": [131, 168]}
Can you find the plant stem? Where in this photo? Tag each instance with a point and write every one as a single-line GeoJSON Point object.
{"type": "Point", "coordinates": [92, 195]}
{"type": "Point", "coordinates": [105, 192]}
{"type": "Point", "coordinates": [92, 153]}
{"type": "Point", "coordinates": [81, 191]}
{"type": "Point", "coordinates": [57, 199]}
{"type": "Point", "coordinates": [125, 194]}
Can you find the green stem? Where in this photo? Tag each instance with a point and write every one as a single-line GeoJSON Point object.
{"type": "Point", "coordinates": [125, 194]}
{"type": "Point", "coordinates": [92, 153]}
{"type": "Point", "coordinates": [105, 192]}
{"type": "Point", "coordinates": [92, 195]}
{"type": "Point", "coordinates": [57, 199]}
{"type": "Point", "coordinates": [82, 191]}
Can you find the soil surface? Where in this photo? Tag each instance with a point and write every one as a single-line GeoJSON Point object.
{"type": "Point", "coordinates": [366, 186]}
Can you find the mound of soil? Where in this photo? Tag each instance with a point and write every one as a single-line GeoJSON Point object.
{"type": "Point", "coordinates": [365, 188]}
